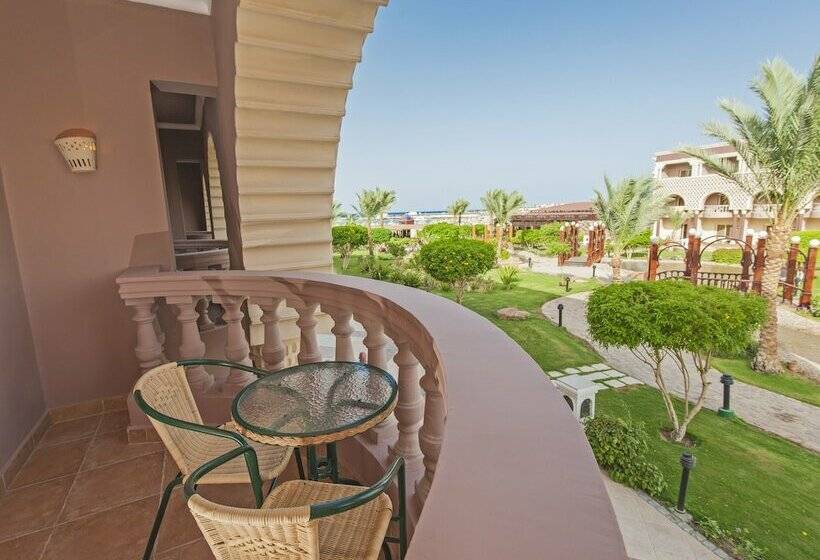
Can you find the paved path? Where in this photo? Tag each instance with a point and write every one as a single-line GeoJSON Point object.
{"type": "Point", "coordinates": [784, 416]}
{"type": "Point", "coordinates": [549, 265]}
{"type": "Point", "coordinates": [651, 532]}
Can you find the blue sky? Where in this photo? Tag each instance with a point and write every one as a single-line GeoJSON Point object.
{"type": "Point", "coordinates": [454, 97]}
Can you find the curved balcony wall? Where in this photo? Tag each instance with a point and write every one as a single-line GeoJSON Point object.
{"type": "Point", "coordinates": [502, 468]}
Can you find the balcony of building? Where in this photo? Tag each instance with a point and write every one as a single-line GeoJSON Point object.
{"type": "Point", "coordinates": [217, 135]}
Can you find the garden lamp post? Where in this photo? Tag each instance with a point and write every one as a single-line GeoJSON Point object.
{"type": "Point", "coordinates": [560, 314]}
{"type": "Point", "coordinates": [687, 461]}
{"type": "Point", "coordinates": [726, 410]}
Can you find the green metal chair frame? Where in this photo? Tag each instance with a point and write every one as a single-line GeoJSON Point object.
{"type": "Point", "coordinates": [332, 507]}
{"type": "Point", "coordinates": [251, 460]}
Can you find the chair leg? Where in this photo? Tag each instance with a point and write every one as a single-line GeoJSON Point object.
{"type": "Point", "coordinates": [163, 505]}
{"type": "Point", "coordinates": [386, 550]}
{"type": "Point", "coordinates": [272, 484]}
{"type": "Point", "coordinates": [298, 453]}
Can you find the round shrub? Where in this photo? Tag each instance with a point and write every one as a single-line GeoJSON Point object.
{"type": "Point", "coordinates": [727, 256]}
{"type": "Point", "coordinates": [620, 447]}
{"type": "Point", "coordinates": [346, 239]}
{"type": "Point", "coordinates": [439, 231]}
{"type": "Point", "coordinates": [398, 246]}
{"type": "Point", "coordinates": [380, 235]}
{"type": "Point", "coordinates": [457, 261]}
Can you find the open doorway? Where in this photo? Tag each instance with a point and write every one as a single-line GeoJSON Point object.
{"type": "Point", "coordinates": [190, 186]}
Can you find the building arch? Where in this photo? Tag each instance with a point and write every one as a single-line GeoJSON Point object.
{"type": "Point", "coordinates": [715, 198]}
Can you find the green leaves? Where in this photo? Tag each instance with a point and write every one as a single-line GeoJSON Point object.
{"type": "Point", "coordinates": [627, 208]}
{"type": "Point", "coordinates": [348, 237]}
{"type": "Point", "coordinates": [456, 261]}
{"type": "Point", "coordinates": [620, 447]}
{"type": "Point", "coordinates": [673, 315]}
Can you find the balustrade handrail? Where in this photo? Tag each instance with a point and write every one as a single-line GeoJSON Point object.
{"type": "Point", "coordinates": [513, 474]}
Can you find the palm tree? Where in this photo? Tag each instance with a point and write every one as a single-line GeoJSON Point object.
{"type": "Point", "coordinates": [369, 205]}
{"type": "Point", "coordinates": [336, 211]}
{"type": "Point", "coordinates": [386, 198]}
{"type": "Point", "coordinates": [457, 208]}
{"type": "Point", "coordinates": [626, 209]}
{"type": "Point", "coordinates": [501, 205]}
{"type": "Point", "coordinates": [781, 150]}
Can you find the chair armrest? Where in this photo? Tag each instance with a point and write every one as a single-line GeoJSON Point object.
{"type": "Point", "coordinates": [223, 363]}
{"type": "Point", "coordinates": [332, 507]}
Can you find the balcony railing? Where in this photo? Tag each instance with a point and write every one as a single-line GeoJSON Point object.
{"type": "Point", "coordinates": [500, 469]}
{"type": "Point", "coordinates": [764, 210]}
{"type": "Point", "coordinates": [716, 210]}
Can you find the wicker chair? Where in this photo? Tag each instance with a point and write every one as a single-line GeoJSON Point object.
{"type": "Point", "coordinates": [163, 394]}
{"type": "Point", "coordinates": [302, 519]}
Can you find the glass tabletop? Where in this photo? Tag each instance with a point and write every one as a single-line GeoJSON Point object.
{"type": "Point", "coordinates": [314, 399]}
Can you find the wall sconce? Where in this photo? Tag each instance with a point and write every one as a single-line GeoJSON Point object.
{"type": "Point", "coordinates": [79, 148]}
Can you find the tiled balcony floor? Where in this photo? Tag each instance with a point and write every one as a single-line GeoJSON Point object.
{"type": "Point", "coordinates": [85, 493]}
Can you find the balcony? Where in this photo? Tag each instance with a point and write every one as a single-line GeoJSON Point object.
{"type": "Point", "coordinates": [815, 210]}
{"type": "Point", "coordinates": [764, 210]}
{"type": "Point", "coordinates": [498, 466]}
{"type": "Point", "coordinates": [672, 210]}
{"type": "Point", "coordinates": [716, 211]}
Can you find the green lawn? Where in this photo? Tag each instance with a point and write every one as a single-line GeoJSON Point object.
{"type": "Point", "coordinates": [744, 477]}
{"type": "Point", "coordinates": [784, 383]}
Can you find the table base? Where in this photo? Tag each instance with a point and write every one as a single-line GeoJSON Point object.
{"type": "Point", "coordinates": [327, 466]}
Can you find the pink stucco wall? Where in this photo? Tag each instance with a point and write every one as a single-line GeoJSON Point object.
{"type": "Point", "coordinates": [87, 63]}
{"type": "Point", "coordinates": [21, 394]}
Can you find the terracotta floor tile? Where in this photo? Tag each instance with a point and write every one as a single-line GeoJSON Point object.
{"type": "Point", "coordinates": [179, 526]}
{"type": "Point", "coordinates": [32, 508]}
{"type": "Point", "coordinates": [112, 447]}
{"type": "Point", "coordinates": [116, 534]}
{"type": "Point", "coordinates": [170, 470]}
{"type": "Point", "coordinates": [113, 485]}
{"type": "Point", "coordinates": [28, 547]}
{"type": "Point", "coordinates": [70, 430]}
{"type": "Point", "coordinates": [198, 550]}
{"type": "Point", "coordinates": [115, 421]}
{"type": "Point", "coordinates": [50, 462]}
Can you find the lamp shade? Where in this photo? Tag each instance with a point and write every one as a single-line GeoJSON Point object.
{"type": "Point", "coordinates": [79, 148]}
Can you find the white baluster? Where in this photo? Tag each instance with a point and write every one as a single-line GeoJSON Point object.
{"type": "Point", "coordinates": [273, 349]}
{"type": "Point", "coordinates": [343, 329]}
{"type": "Point", "coordinates": [430, 434]}
{"type": "Point", "coordinates": [204, 321]}
{"type": "Point", "coordinates": [236, 345]}
{"type": "Point", "coordinates": [410, 408]}
{"type": "Point", "coordinates": [376, 343]}
{"type": "Point", "coordinates": [191, 345]}
{"type": "Point", "coordinates": [308, 343]}
{"type": "Point", "coordinates": [149, 350]}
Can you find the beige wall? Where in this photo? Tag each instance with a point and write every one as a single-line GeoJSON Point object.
{"type": "Point", "coordinates": [21, 394]}
{"type": "Point", "coordinates": [87, 63]}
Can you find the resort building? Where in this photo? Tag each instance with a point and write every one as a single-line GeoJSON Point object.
{"type": "Point", "coordinates": [534, 218]}
{"type": "Point", "coordinates": [699, 198]}
{"type": "Point", "coordinates": [185, 212]}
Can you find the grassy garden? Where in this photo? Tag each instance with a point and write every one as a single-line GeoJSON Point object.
{"type": "Point", "coordinates": [741, 471]}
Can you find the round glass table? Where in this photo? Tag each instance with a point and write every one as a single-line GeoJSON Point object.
{"type": "Point", "coordinates": [315, 404]}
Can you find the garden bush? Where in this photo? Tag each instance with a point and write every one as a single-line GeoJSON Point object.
{"type": "Point", "coordinates": [509, 277]}
{"type": "Point", "coordinates": [687, 324]}
{"type": "Point", "coordinates": [397, 246]}
{"type": "Point", "coordinates": [737, 541]}
{"type": "Point", "coordinates": [381, 235]}
{"type": "Point", "coordinates": [727, 256]}
{"type": "Point", "coordinates": [441, 230]}
{"type": "Point", "coordinates": [346, 239]}
{"type": "Point", "coordinates": [455, 262]}
{"type": "Point", "coordinates": [620, 447]}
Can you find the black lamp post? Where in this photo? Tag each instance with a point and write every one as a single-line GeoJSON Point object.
{"type": "Point", "coordinates": [560, 314]}
{"type": "Point", "coordinates": [726, 410]}
{"type": "Point", "coordinates": [687, 461]}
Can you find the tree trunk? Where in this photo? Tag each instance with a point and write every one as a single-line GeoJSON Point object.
{"type": "Point", "coordinates": [768, 357]}
{"type": "Point", "coordinates": [369, 239]}
{"type": "Point", "coordinates": [346, 258]}
{"type": "Point", "coordinates": [459, 219]}
{"type": "Point", "coordinates": [615, 263]}
{"type": "Point", "coordinates": [499, 236]}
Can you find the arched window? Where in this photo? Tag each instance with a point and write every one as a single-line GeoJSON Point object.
{"type": "Point", "coordinates": [717, 199]}
{"type": "Point", "coordinates": [674, 200]}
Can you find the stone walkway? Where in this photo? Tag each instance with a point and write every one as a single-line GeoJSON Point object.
{"type": "Point", "coordinates": [775, 413]}
{"type": "Point", "coordinates": [549, 265]}
{"type": "Point", "coordinates": [652, 532]}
